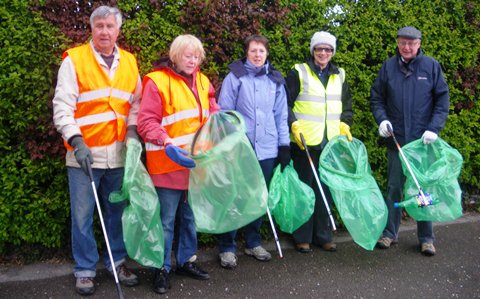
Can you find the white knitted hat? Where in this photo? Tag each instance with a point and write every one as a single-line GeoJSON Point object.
{"type": "Point", "coordinates": [323, 37]}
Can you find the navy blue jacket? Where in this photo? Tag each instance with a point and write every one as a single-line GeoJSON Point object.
{"type": "Point", "coordinates": [413, 97]}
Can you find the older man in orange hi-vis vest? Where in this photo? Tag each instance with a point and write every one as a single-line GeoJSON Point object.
{"type": "Point", "coordinates": [95, 108]}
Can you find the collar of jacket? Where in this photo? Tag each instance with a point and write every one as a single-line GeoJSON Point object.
{"type": "Point", "coordinates": [407, 68]}
{"type": "Point", "coordinates": [165, 63]}
{"type": "Point", "coordinates": [238, 69]}
{"type": "Point", "coordinates": [332, 68]}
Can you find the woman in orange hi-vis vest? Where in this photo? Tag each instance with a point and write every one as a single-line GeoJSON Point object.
{"type": "Point", "coordinates": [177, 100]}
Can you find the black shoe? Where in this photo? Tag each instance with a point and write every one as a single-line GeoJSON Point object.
{"type": "Point", "coordinates": [303, 249]}
{"type": "Point", "coordinates": [330, 246]}
{"type": "Point", "coordinates": [192, 270]}
{"type": "Point", "coordinates": [161, 282]}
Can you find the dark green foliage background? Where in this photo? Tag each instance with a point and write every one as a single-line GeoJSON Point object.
{"type": "Point", "coordinates": [34, 204]}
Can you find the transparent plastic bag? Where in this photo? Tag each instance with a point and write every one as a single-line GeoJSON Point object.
{"type": "Point", "coordinates": [436, 167]}
{"type": "Point", "coordinates": [344, 168]}
{"type": "Point", "coordinates": [142, 228]}
{"type": "Point", "coordinates": [291, 201]}
{"type": "Point", "coordinates": [227, 189]}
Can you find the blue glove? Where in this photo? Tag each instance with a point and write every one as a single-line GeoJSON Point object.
{"type": "Point", "coordinates": [179, 156]}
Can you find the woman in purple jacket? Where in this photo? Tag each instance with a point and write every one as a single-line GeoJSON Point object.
{"type": "Point", "coordinates": [256, 90]}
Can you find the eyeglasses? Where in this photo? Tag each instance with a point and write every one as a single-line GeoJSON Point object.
{"type": "Point", "coordinates": [326, 50]}
{"type": "Point", "coordinates": [410, 44]}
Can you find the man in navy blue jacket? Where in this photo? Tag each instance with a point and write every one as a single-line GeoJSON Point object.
{"type": "Point", "coordinates": [410, 95]}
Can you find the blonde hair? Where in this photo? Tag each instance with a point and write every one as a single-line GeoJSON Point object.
{"type": "Point", "coordinates": [181, 43]}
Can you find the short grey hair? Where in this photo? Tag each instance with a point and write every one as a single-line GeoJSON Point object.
{"type": "Point", "coordinates": [105, 11]}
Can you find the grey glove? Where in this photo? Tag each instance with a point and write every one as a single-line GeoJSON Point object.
{"type": "Point", "coordinates": [132, 133]}
{"type": "Point", "coordinates": [82, 153]}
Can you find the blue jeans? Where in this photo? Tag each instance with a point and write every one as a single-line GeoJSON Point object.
{"type": "Point", "coordinates": [82, 209]}
{"type": "Point", "coordinates": [226, 241]}
{"type": "Point", "coordinates": [178, 224]}
{"type": "Point", "coordinates": [396, 181]}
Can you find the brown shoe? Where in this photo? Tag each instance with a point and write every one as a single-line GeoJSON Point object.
{"type": "Point", "coordinates": [85, 286]}
{"type": "Point", "coordinates": [125, 276]}
{"type": "Point", "coordinates": [303, 248]}
{"type": "Point", "coordinates": [427, 249]}
{"type": "Point", "coordinates": [384, 243]}
{"type": "Point", "coordinates": [330, 246]}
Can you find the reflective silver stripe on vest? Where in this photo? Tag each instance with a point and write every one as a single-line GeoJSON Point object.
{"type": "Point", "coordinates": [333, 116]}
{"type": "Point", "coordinates": [334, 97]}
{"type": "Point", "coordinates": [310, 98]}
{"type": "Point", "coordinates": [117, 93]}
{"type": "Point", "coordinates": [315, 98]}
{"type": "Point", "coordinates": [99, 118]}
{"type": "Point", "coordinates": [341, 74]}
{"type": "Point", "coordinates": [306, 83]}
{"type": "Point", "coordinates": [103, 93]}
{"type": "Point", "coordinates": [178, 141]}
{"type": "Point", "coordinates": [181, 115]}
{"type": "Point", "coordinates": [310, 117]}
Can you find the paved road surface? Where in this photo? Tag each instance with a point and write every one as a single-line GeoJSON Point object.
{"type": "Point", "coordinates": [351, 272]}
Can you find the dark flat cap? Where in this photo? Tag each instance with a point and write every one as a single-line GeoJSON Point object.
{"type": "Point", "coordinates": [409, 32]}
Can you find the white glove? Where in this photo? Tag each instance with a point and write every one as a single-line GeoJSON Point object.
{"type": "Point", "coordinates": [429, 137]}
{"type": "Point", "coordinates": [382, 129]}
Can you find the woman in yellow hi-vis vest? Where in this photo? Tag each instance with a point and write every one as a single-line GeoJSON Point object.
{"type": "Point", "coordinates": [320, 107]}
{"type": "Point", "coordinates": [177, 100]}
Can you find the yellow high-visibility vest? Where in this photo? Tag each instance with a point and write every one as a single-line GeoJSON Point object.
{"type": "Point", "coordinates": [316, 107]}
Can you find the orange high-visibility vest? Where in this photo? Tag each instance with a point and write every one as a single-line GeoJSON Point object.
{"type": "Point", "coordinates": [182, 116]}
{"type": "Point", "coordinates": [103, 104]}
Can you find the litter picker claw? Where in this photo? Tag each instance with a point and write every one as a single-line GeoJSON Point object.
{"type": "Point", "coordinates": [423, 199]}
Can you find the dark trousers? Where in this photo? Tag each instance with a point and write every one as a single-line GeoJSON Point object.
{"type": "Point", "coordinates": [226, 241]}
{"type": "Point", "coordinates": [396, 181]}
{"type": "Point", "coordinates": [317, 230]}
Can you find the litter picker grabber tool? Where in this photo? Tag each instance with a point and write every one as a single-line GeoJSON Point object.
{"type": "Point", "coordinates": [334, 228]}
{"type": "Point", "coordinates": [423, 199]}
{"type": "Point", "coordinates": [114, 270]}
{"type": "Point", "coordinates": [274, 234]}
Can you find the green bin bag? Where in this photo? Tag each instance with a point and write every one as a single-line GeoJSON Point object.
{"type": "Point", "coordinates": [344, 168]}
{"type": "Point", "coordinates": [436, 167]}
{"type": "Point", "coordinates": [290, 200]}
{"type": "Point", "coordinates": [227, 189]}
{"type": "Point", "coordinates": [142, 229]}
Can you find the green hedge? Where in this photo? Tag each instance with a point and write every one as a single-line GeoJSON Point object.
{"type": "Point", "coordinates": [34, 204]}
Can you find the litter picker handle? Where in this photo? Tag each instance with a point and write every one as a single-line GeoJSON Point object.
{"type": "Point", "coordinates": [97, 201]}
{"type": "Point", "coordinates": [89, 169]}
{"type": "Point", "coordinates": [390, 130]}
{"type": "Point", "coordinates": [334, 228]}
{"type": "Point", "coordinates": [277, 241]}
